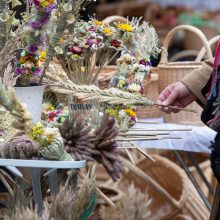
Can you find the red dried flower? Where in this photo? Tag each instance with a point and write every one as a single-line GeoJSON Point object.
{"type": "Point", "coordinates": [115, 43]}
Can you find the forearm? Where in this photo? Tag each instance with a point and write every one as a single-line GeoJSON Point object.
{"type": "Point", "coordinates": [198, 78]}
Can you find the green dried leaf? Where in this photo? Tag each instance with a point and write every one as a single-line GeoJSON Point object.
{"type": "Point", "coordinates": [71, 19]}
{"type": "Point", "coordinates": [15, 3]}
{"type": "Point", "coordinates": [4, 16]}
{"type": "Point", "coordinates": [58, 50]}
{"type": "Point", "coordinates": [67, 7]}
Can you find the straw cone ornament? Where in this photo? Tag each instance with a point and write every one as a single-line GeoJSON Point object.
{"type": "Point", "coordinates": [19, 147]}
{"type": "Point", "coordinates": [55, 150]}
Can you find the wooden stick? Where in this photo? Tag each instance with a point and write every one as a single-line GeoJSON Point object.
{"type": "Point", "coordinates": [176, 108]}
{"type": "Point", "coordinates": [7, 186]}
{"type": "Point", "coordinates": [102, 195]}
{"type": "Point", "coordinates": [146, 138]}
{"type": "Point", "coordinates": [129, 155]}
{"type": "Point", "coordinates": [147, 122]}
{"type": "Point", "coordinates": [145, 154]}
{"type": "Point", "coordinates": [139, 133]}
{"type": "Point", "coordinates": [105, 198]}
{"type": "Point", "coordinates": [158, 129]}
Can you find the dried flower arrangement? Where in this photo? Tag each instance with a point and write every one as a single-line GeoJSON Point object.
{"type": "Point", "coordinates": [85, 50]}
{"type": "Point", "coordinates": [30, 63]}
{"type": "Point", "coordinates": [38, 38]}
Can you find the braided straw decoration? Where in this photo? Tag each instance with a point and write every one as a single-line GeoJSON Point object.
{"type": "Point", "coordinates": [22, 118]}
{"type": "Point", "coordinates": [3, 25]}
{"type": "Point", "coordinates": [111, 96]}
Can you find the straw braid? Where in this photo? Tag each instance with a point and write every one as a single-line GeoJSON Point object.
{"type": "Point", "coordinates": [111, 96]}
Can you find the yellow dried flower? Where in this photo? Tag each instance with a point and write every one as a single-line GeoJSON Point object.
{"type": "Point", "coordinates": [130, 112]}
{"type": "Point", "coordinates": [42, 56]}
{"type": "Point", "coordinates": [61, 40]}
{"type": "Point", "coordinates": [46, 3]}
{"type": "Point", "coordinates": [125, 27]}
{"type": "Point", "coordinates": [107, 31]}
{"type": "Point", "coordinates": [37, 131]}
{"type": "Point", "coordinates": [98, 23]}
{"type": "Point", "coordinates": [112, 112]}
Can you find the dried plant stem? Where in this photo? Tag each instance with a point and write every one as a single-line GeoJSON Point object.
{"type": "Point", "coordinates": [177, 108]}
{"type": "Point", "coordinates": [101, 194]}
{"type": "Point", "coordinates": [3, 25]}
{"type": "Point", "coordinates": [156, 129]}
{"type": "Point", "coordinates": [145, 154]}
{"type": "Point", "coordinates": [129, 155]}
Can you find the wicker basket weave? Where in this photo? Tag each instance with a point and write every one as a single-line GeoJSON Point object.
{"type": "Point", "coordinates": [173, 195]}
{"type": "Point", "coordinates": [170, 72]}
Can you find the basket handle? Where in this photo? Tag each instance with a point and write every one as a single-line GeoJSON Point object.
{"type": "Point", "coordinates": [151, 182]}
{"type": "Point", "coordinates": [170, 36]}
{"type": "Point", "coordinates": [210, 42]}
{"type": "Point", "coordinates": [114, 18]}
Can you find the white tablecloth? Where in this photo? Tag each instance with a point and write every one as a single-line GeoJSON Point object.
{"type": "Point", "coordinates": [197, 140]}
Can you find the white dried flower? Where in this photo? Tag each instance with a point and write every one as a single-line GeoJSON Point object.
{"type": "Point", "coordinates": [134, 87]}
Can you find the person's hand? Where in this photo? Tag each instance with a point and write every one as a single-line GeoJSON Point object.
{"type": "Point", "coordinates": [176, 94]}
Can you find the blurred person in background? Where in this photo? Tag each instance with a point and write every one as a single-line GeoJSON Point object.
{"type": "Point", "coordinates": [201, 85]}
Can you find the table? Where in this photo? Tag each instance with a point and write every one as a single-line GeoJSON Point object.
{"type": "Point", "coordinates": [35, 166]}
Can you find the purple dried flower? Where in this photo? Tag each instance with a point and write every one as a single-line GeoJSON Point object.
{"type": "Point", "coordinates": [33, 48]}
{"type": "Point", "coordinates": [75, 50]}
{"type": "Point", "coordinates": [91, 41]}
{"type": "Point", "coordinates": [37, 72]}
{"type": "Point", "coordinates": [143, 62]}
{"type": "Point", "coordinates": [20, 71]}
{"type": "Point", "coordinates": [58, 111]}
{"type": "Point", "coordinates": [44, 20]}
{"type": "Point", "coordinates": [149, 63]}
{"type": "Point", "coordinates": [50, 8]}
{"type": "Point", "coordinates": [35, 24]}
{"type": "Point", "coordinates": [133, 118]}
{"type": "Point", "coordinates": [93, 29]}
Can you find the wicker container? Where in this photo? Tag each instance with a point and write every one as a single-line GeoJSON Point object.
{"type": "Point", "coordinates": [212, 43]}
{"type": "Point", "coordinates": [151, 92]}
{"type": "Point", "coordinates": [192, 43]}
{"type": "Point", "coordinates": [170, 72]}
{"type": "Point", "coordinates": [173, 195]}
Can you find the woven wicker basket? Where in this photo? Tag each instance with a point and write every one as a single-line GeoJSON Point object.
{"type": "Point", "coordinates": [114, 18]}
{"type": "Point", "coordinates": [170, 72]}
{"type": "Point", "coordinates": [212, 42]}
{"type": "Point", "coordinates": [173, 195]}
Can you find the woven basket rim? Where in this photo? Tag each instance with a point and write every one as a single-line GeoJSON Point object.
{"type": "Point", "coordinates": [180, 65]}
